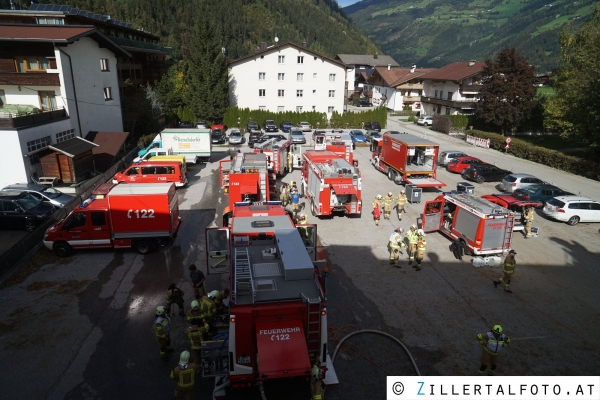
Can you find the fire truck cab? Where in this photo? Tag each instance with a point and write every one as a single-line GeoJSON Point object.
{"type": "Point", "coordinates": [484, 227]}
{"type": "Point", "coordinates": [276, 151]}
{"type": "Point", "coordinates": [338, 142]}
{"type": "Point", "coordinates": [246, 178]}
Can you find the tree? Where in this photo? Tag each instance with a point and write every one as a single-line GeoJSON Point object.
{"type": "Point", "coordinates": [506, 96]}
{"type": "Point", "coordinates": [576, 105]}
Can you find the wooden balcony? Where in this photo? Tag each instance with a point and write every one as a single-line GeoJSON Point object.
{"type": "Point", "coordinates": [411, 98]}
{"type": "Point", "coordinates": [470, 88]}
{"type": "Point", "coordinates": [29, 79]}
{"type": "Point", "coordinates": [448, 103]}
{"type": "Point", "coordinates": [8, 121]}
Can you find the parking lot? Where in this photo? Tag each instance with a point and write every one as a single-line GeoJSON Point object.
{"type": "Point", "coordinates": [82, 327]}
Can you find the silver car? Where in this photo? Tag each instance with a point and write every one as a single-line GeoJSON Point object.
{"type": "Point", "coordinates": [42, 193]}
{"type": "Point", "coordinates": [297, 136]}
{"type": "Point", "coordinates": [512, 182]}
{"type": "Point", "coordinates": [448, 155]}
{"type": "Point", "coordinates": [235, 137]}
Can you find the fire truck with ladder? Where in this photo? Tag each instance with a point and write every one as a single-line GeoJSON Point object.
{"type": "Point", "coordinates": [339, 142]}
{"type": "Point", "coordinates": [330, 183]}
{"type": "Point", "coordinates": [483, 227]}
{"type": "Point", "coordinates": [277, 326]}
{"type": "Point", "coordinates": [406, 158]}
{"type": "Point", "coordinates": [246, 177]}
{"type": "Point", "coordinates": [276, 151]}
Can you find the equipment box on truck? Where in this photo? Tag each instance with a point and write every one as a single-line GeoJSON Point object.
{"type": "Point", "coordinates": [142, 216]}
{"type": "Point", "coordinates": [276, 151]}
{"type": "Point", "coordinates": [246, 178]}
{"type": "Point", "coordinates": [194, 144]}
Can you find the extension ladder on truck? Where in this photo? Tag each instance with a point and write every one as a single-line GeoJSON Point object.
{"type": "Point", "coordinates": [243, 275]}
{"type": "Point", "coordinates": [313, 326]}
{"type": "Point", "coordinates": [510, 222]}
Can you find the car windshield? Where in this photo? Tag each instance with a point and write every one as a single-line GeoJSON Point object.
{"type": "Point", "coordinates": [235, 133]}
{"type": "Point", "coordinates": [28, 202]}
{"type": "Point", "coordinates": [556, 203]}
{"type": "Point", "coordinates": [216, 132]}
{"type": "Point", "coordinates": [531, 189]}
{"type": "Point", "coordinates": [51, 193]}
{"type": "Point", "coordinates": [298, 133]}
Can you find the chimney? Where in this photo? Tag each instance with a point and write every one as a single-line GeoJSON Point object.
{"type": "Point", "coordinates": [303, 44]}
{"type": "Point", "coordinates": [375, 56]}
{"type": "Point", "coordinates": [471, 63]}
{"type": "Point", "coordinates": [412, 68]}
{"type": "Point", "coordinates": [263, 46]}
{"type": "Point", "coordinates": [389, 66]}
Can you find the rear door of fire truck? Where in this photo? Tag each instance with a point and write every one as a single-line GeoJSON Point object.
{"type": "Point", "coordinates": [433, 215]}
{"type": "Point", "coordinates": [308, 233]}
{"type": "Point", "coordinates": [218, 250]}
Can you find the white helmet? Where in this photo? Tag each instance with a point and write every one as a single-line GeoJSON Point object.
{"type": "Point", "coordinates": [379, 196]}
{"type": "Point", "coordinates": [420, 232]}
{"type": "Point", "coordinates": [413, 226]}
{"type": "Point", "coordinates": [213, 294]}
{"type": "Point", "coordinates": [399, 229]}
{"type": "Point", "coordinates": [402, 191]}
{"type": "Point", "coordinates": [160, 310]}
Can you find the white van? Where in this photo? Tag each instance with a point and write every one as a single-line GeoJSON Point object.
{"type": "Point", "coordinates": [158, 151]}
{"type": "Point", "coordinates": [573, 209]}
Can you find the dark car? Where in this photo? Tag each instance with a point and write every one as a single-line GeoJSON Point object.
{"type": "Point", "coordinates": [253, 137]}
{"type": "Point", "coordinates": [252, 126]}
{"type": "Point", "coordinates": [42, 193]}
{"type": "Point", "coordinates": [541, 193]}
{"type": "Point", "coordinates": [268, 136]}
{"type": "Point", "coordinates": [364, 103]}
{"type": "Point", "coordinates": [270, 126]}
{"type": "Point", "coordinates": [373, 126]}
{"type": "Point", "coordinates": [285, 126]}
{"type": "Point", "coordinates": [484, 172]}
{"type": "Point", "coordinates": [22, 210]}
{"type": "Point", "coordinates": [370, 135]}
{"type": "Point", "coordinates": [217, 136]}
{"type": "Point", "coordinates": [185, 125]}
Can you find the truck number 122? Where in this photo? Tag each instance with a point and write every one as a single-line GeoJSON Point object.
{"type": "Point", "coordinates": [284, 336]}
{"type": "Point", "coordinates": [141, 213]}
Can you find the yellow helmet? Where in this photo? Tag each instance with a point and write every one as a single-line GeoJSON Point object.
{"type": "Point", "coordinates": [497, 329]}
{"type": "Point", "coordinates": [160, 310]}
{"type": "Point", "coordinates": [413, 226]}
{"type": "Point", "coordinates": [184, 358]}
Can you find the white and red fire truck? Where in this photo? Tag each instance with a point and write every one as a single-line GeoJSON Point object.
{"type": "Point", "coordinates": [330, 183]}
{"type": "Point", "coordinates": [406, 158]}
{"type": "Point", "coordinates": [278, 315]}
{"type": "Point", "coordinates": [246, 178]}
{"type": "Point", "coordinates": [484, 227]}
{"type": "Point", "coordinates": [142, 216]}
{"type": "Point", "coordinates": [339, 142]}
{"type": "Point", "coordinates": [276, 151]}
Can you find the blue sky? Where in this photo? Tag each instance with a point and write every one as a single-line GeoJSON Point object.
{"type": "Point", "coordinates": [344, 3]}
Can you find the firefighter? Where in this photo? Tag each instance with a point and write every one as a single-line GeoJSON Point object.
{"type": "Point", "coordinates": [316, 382]}
{"type": "Point", "coordinates": [197, 280]}
{"type": "Point", "coordinates": [295, 202]}
{"type": "Point", "coordinates": [491, 343]}
{"type": "Point", "coordinates": [413, 237]}
{"type": "Point", "coordinates": [194, 316]}
{"type": "Point", "coordinates": [508, 268]}
{"type": "Point", "coordinates": [219, 299]}
{"type": "Point", "coordinates": [283, 195]}
{"type": "Point", "coordinates": [290, 162]}
{"type": "Point", "coordinates": [197, 334]}
{"type": "Point", "coordinates": [183, 374]}
{"type": "Point", "coordinates": [301, 220]}
{"type": "Point", "coordinates": [395, 246]}
{"type": "Point", "coordinates": [175, 296]}
{"type": "Point", "coordinates": [458, 248]}
{"type": "Point", "coordinates": [377, 209]}
{"type": "Point", "coordinates": [208, 308]}
{"type": "Point", "coordinates": [163, 326]}
{"type": "Point", "coordinates": [388, 201]}
{"type": "Point", "coordinates": [528, 214]}
{"type": "Point", "coordinates": [421, 248]}
{"type": "Point", "coordinates": [400, 203]}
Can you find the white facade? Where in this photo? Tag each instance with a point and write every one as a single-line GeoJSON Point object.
{"type": "Point", "coordinates": [287, 78]}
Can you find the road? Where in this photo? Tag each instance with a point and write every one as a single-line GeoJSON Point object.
{"type": "Point", "coordinates": [81, 328]}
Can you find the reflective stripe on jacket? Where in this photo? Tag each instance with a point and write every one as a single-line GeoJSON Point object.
{"type": "Point", "coordinates": [494, 345]}
{"type": "Point", "coordinates": [163, 326]}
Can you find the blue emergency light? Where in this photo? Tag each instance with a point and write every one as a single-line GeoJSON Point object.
{"type": "Point", "coordinates": [87, 202]}
{"type": "Point", "coordinates": [272, 203]}
{"type": "Point", "coordinates": [242, 204]}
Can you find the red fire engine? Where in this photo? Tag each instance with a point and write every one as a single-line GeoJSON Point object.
{"type": "Point", "coordinates": [406, 158]}
{"type": "Point", "coordinates": [246, 178]}
{"type": "Point", "coordinates": [141, 216]}
{"type": "Point", "coordinates": [278, 315]}
{"type": "Point", "coordinates": [339, 142]}
{"type": "Point", "coordinates": [483, 227]}
{"type": "Point", "coordinates": [276, 151]}
{"type": "Point", "coordinates": [330, 183]}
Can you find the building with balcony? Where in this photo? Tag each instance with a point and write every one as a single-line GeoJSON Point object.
{"type": "Point", "coordinates": [360, 66]}
{"type": "Point", "coordinates": [453, 89]}
{"type": "Point", "coordinates": [287, 77]}
{"type": "Point", "coordinates": [56, 83]}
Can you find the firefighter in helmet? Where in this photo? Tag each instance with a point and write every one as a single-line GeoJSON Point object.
{"type": "Point", "coordinates": [413, 237]}
{"type": "Point", "coordinates": [175, 296]}
{"type": "Point", "coordinates": [194, 316]}
{"type": "Point", "coordinates": [395, 246]}
{"type": "Point", "coordinates": [283, 194]}
{"type": "Point", "coordinates": [301, 221]}
{"type": "Point", "coordinates": [183, 374]}
{"type": "Point", "coordinates": [377, 203]}
{"type": "Point", "coordinates": [400, 203]}
{"type": "Point", "coordinates": [197, 334]}
{"type": "Point", "coordinates": [290, 162]}
{"type": "Point", "coordinates": [388, 202]}
{"type": "Point", "coordinates": [491, 342]}
{"type": "Point", "coordinates": [162, 325]}
{"type": "Point", "coordinates": [421, 248]}
{"type": "Point", "coordinates": [528, 214]}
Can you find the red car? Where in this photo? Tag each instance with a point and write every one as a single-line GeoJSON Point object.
{"type": "Point", "coordinates": [458, 164]}
{"type": "Point", "coordinates": [218, 125]}
{"type": "Point", "coordinates": [513, 204]}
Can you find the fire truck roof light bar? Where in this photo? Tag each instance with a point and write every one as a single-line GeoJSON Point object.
{"type": "Point", "coordinates": [87, 202]}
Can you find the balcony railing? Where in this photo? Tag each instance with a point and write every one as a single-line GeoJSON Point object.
{"type": "Point", "coordinates": [449, 103]}
{"type": "Point", "coordinates": [29, 79]}
{"type": "Point", "coordinates": [11, 121]}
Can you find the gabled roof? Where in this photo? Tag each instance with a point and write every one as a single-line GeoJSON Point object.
{"type": "Point", "coordinates": [456, 71]}
{"type": "Point", "coordinates": [283, 45]}
{"type": "Point", "coordinates": [396, 76]}
{"type": "Point", "coordinates": [109, 144]}
{"type": "Point", "coordinates": [70, 148]}
{"type": "Point", "coordinates": [378, 60]}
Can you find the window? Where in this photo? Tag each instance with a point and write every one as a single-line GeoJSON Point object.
{"type": "Point", "coordinates": [133, 171]}
{"type": "Point", "coordinates": [281, 59]}
{"type": "Point", "coordinates": [300, 77]}
{"type": "Point", "coordinates": [280, 77]}
{"type": "Point", "coordinates": [315, 75]}
{"type": "Point", "coordinates": [107, 93]}
{"type": "Point", "coordinates": [299, 93]}
{"type": "Point", "coordinates": [298, 108]}
{"type": "Point", "coordinates": [32, 64]}
{"type": "Point", "coordinates": [50, 21]}
{"type": "Point", "coordinates": [2, 98]}
{"type": "Point", "coordinates": [436, 94]}
{"type": "Point", "coordinates": [314, 91]}
{"type": "Point", "coordinates": [262, 108]}
{"type": "Point", "coordinates": [98, 218]}
{"type": "Point", "coordinates": [261, 76]}
{"type": "Point", "coordinates": [47, 101]}
{"type": "Point", "coordinates": [65, 135]}
{"type": "Point", "coordinates": [280, 93]}
{"type": "Point", "coordinates": [331, 77]}
{"type": "Point", "coordinates": [300, 59]}
{"type": "Point", "coordinates": [104, 64]}
{"type": "Point", "coordinates": [332, 93]}
{"type": "Point", "coordinates": [450, 95]}
{"type": "Point", "coordinates": [261, 92]}
{"type": "Point", "coordinates": [315, 58]}
{"type": "Point", "coordinates": [330, 109]}
{"type": "Point", "coordinates": [280, 108]}
{"type": "Point", "coordinates": [447, 110]}
{"type": "Point", "coordinates": [38, 144]}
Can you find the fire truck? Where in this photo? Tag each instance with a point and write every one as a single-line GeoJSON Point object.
{"type": "Point", "coordinates": [276, 151]}
{"type": "Point", "coordinates": [246, 178]}
{"type": "Point", "coordinates": [406, 158]}
{"type": "Point", "coordinates": [339, 142]}
{"type": "Point", "coordinates": [330, 183]}
{"type": "Point", "coordinates": [484, 227]}
{"type": "Point", "coordinates": [297, 151]}
{"type": "Point", "coordinates": [277, 326]}
{"type": "Point", "coordinates": [142, 216]}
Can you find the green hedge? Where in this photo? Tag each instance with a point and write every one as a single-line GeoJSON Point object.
{"type": "Point", "coordinates": [459, 121]}
{"type": "Point", "coordinates": [441, 123]}
{"type": "Point", "coordinates": [541, 155]}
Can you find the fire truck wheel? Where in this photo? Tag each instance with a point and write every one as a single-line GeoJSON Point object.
{"type": "Point", "coordinates": [312, 209]}
{"type": "Point", "coordinates": [391, 174]}
{"type": "Point", "coordinates": [480, 179]}
{"type": "Point", "coordinates": [63, 249]}
{"type": "Point", "coordinates": [143, 246]}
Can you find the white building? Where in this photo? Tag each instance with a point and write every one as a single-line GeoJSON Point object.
{"type": "Point", "coordinates": [63, 78]}
{"type": "Point", "coordinates": [287, 77]}
{"type": "Point", "coordinates": [360, 66]}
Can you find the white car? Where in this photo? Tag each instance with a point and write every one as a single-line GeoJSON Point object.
{"type": "Point", "coordinates": [304, 126]}
{"type": "Point", "coordinates": [573, 209]}
{"type": "Point", "coordinates": [425, 120]}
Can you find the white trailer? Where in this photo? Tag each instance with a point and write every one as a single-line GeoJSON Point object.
{"type": "Point", "coordinates": [194, 144]}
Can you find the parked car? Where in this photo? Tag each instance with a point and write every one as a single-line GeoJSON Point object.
{"type": "Point", "coordinates": [484, 172]}
{"type": "Point", "coordinates": [447, 155]}
{"type": "Point", "coordinates": [253, 137]}
{"type": "Point", "coordinates": [513, 204]}
{"type": "Point", "coordinates": [217, 136]}
{"type": "Point", "coordinates": [185, 125]}
{"type": "Point", "coordinates": [270, 126]}
{"type": "Point", "coordinates": [541, 193]}
{"type": "Point", "coordinates": [304, 126]}
{"type": "Point", "coordinates": [572, 209]}
{"type": "Point", "coordinates": [297, 136]}
{"type": "Point", "coordinates": [268, 136]}
{"type": "Point", "coordinates": [22, 210]}
{"type": "Point", "coordinates": [285, 126]}
{"type": "Point", "coordinates": [425, 120]}
{"type": "Point", "coordinates": [364, 103]}
{"type": "Point", "coordinates": [252, 126]}
{"type": "Point", "coordinates": [512, 182]}
{"type": "Point", "coordinates": [202, 125]}
{"type": "Point", "coordinates": [458, 164]}
{"type": "Point", "coordinates": [218, 125]}
{"type": "Point", "coordinates": [235, 137]}
{"type": "Point", "coordinates": [373, 126]}
{"type": "Point", "coordinates": [318, 132]}
{"type": "Point", "coordinates": [370, 134]}
{"type": "Point", "coordinates": [42, 193]}
{"type": "Point", "coordinates": [358, 136]}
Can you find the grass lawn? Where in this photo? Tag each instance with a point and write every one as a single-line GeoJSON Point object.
{"type": "Point", "coordinates": [545, 90]}
{"type": "Point", "coordinates": [554, 142]}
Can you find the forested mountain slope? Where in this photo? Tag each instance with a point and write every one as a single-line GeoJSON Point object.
{"type": "Point", "coordinates": [434, 33]}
